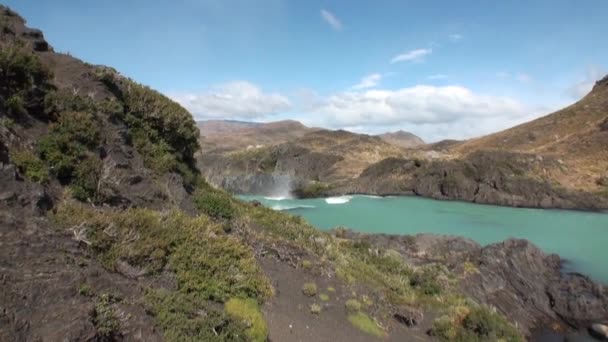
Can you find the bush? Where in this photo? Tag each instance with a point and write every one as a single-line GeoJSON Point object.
{"type": "Point", "coordinates": [248, 311]}
{"type": "Point", "coordinates": [353, 305]}
{"type": "Point", "coordinates": [309, 289]}
{"type": "Point", "coordinates": [67, 143]}
{"type": "Point", "coordinates": [86, 180]}
{"type": "Point", "coordinates": [324, 297]}
{"type": "Point", "coordinates": [163, 131]}
{"type": "Point", "coordinates": [104, 318]}
{"type": "Point", "coordinates": [315, 308]}
{"type": "Point", "coordinates": [179, 315]}
{"type": "Point", "coordinates": [31, 166]}
{"type": "Point", "coordinates": [24, 81]}
{"type": "Point", "coordinates": [479, 324]}
{"type": "Point", "coordinates": [425, 279]}
{"type": "Point", "coordinates": [215, 204]}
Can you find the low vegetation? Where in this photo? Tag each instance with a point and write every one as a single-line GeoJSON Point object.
{"type": "Point", "coordinates": [248, 311]}
{"type": "Point", "coordinates": [31, 166]}
{"type": "Point", "coordinates": [353, 305]}
{"type": "Point", "coordinates": [214, 203]}
{"type": "Point", "coordinates": [161, 130]}
{"type": "Point", "coordinates": [24, 82]}
{"type": "Point", "coordinates": [474, 323]}
{"type": "Point", "coordinates": [104, 318]}
{"type": "Point", "coordinates": [209, 265]}
{"type": "Point", "coordinates": [362, 322]}
{"type": "Point", "coordinates": [309, 289]}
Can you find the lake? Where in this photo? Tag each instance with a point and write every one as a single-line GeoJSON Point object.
{"type": "Point", "coordinates": [581, 238]}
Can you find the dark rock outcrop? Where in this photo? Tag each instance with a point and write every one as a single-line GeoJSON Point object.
{"type": "Point", "coordinates": [604, 125]}
{"type": "Point", "coordinates": [514, 276]}
{"type": "Point", "coordinates": [483, 177]}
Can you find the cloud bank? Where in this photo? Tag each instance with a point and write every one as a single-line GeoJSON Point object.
{"type": "Point", "coordinates": [234, 100]}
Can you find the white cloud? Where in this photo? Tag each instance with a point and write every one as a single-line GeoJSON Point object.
{"type": "Point", "coordinates": [331, 19]}
{"type": "Point", "coordinates": [433, 112]}
{"type": "Point", "coordinates": [412, 56]}
{"type": "Point", "coordinates": [585, 84]}
{"type": "Point", "coordinates": [234, 100]}
{"type": "Point", "coordinates": [456, 37]}
{"type": "Point", "coordinates": [368, 81]}
{"type": "Point", "coordinates": [437, 77]}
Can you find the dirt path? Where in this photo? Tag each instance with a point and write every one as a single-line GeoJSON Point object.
{"type": "Point", "coordinates": [290, 319]}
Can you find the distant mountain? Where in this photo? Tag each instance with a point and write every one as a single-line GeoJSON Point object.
{"type": "Point", "coordinates": [402, 138]}
{"type": "Point", "coordinates": [212, 127]}
{"type": "Point", "coordinates": [225, 135]}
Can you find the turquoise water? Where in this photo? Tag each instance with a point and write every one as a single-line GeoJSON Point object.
{"type": "Point", "coordinates": [579, 237]}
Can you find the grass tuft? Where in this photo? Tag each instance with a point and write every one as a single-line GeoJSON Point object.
{"type": "Point", "coordinates": [362, 322]}
{"type": "Point", "coordinates": [248, 311]}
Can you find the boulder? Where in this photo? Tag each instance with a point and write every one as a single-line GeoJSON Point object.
{"type": "Point", "coordinates": [604, 125]}
{"type": "Point", "coordinates": [599, 331]}
{"type": "Point", "coordinates": [409, 316]}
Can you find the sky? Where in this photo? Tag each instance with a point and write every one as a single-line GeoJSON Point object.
{"type": "Point", "coordinates": [439, 69]}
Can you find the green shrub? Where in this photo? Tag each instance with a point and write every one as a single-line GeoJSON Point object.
{"type": "Point", "coordinates": [425, 279]}
{"type": "Point", "coordinates": [15, 106]}
{"type": "Point", "coordinates": [311, 190]}
{"type": "Point", "coordinates": [309, 289]}
{"type": "Point", "coordinates": [85, 290]}
{"type": "Point", "coordinates": [315, 308]}
{"type": "Point", "coordinates": [31, 166]}
{"type": "Point", "coordinates": [248, 311]}
{"type": "Point", "coordinates": [86, 178]}
{"type": "Point", "coordinates": [24, 81]}
{"type": "Point", "coordinates": [68, 142]}
{"type": "Point", "coordinates": [7, 122]}
{"type": "Point", "coordinates": [353, 305]}
{"type": "Point", "coordinates": [324, 297]}
{"type": "Point", "coordinates": [162, 131]}
{"type": "Point", "coordinates": [104, 318]}
{"type": "Point", "coordinates": [215, 204]}
{"type": "Point", "coordinates": [306, 264]}
{"type": "Point", "coordinates": [207, 261]}
{"type": "Point", "coordinates": [179, 315]}
{"type": "Point", "coordinates": [362, 322]}
{"type": "Point", "coordinates": [479, 324]}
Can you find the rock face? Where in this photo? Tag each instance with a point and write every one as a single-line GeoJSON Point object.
{"type": "Point", "coordinates": [514, 276]}
{"type": "Point", "coordinates": [483, 177]}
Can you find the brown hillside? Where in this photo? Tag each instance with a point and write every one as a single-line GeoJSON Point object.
{"type": "Point", "coordinates": [576, 135]}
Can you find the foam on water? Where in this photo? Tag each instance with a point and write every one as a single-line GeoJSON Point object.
{"type": "Point", "coordinates": [338, 200]}
{"type": "Point", "coordinates": [291, 207]}
{"type": "Point", "coordinates": [277, 198]}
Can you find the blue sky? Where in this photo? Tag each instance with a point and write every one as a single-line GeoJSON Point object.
{"type": "Point", "coordinates": [441, 69]}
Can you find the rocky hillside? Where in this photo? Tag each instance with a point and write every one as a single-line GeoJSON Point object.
{"type": "Point", "coordinates": [403, 139]}
{"type": "Point", "coordinates": [576, 135]}
{"type": "Point", "coordinates": [109, 233]}
{"type": "Point", "coordinates": [225, 136]}
{"type": "Point", "coordinates": [315, 156]}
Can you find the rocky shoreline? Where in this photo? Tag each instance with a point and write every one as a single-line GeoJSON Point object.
{"type": "Point", "coordinates": [495, 178]}
{"type": "Point", "coordinates": [514, 276]}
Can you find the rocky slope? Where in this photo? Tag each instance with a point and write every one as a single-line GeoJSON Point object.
{"type": "Point", "coordinates": [110, 234]}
